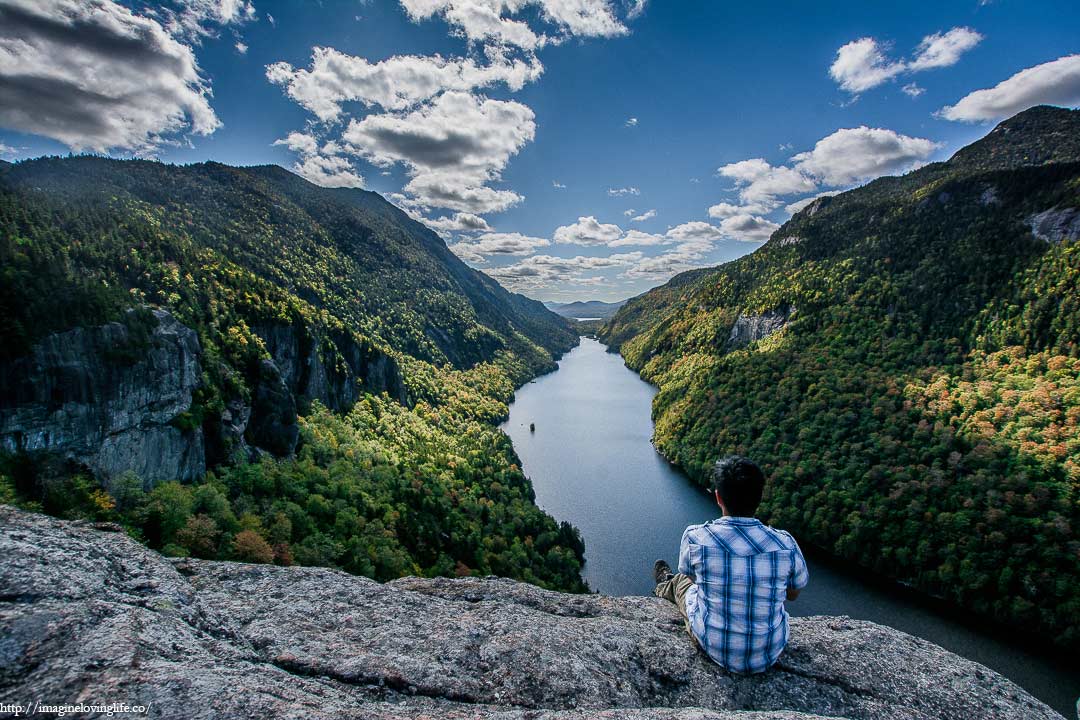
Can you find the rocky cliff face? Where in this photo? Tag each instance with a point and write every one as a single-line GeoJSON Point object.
{"type": "Point", "coordinates": [751, 328]}
{"type": "Point", "coordinates": [112, 397]}
{"type": "Point", "coordinates": [108, 397]}
{"type": "Point", "coordinates": [88, 615]}
{"type": "Point", "coordinates": [333, 368]}
{"type": "Point", "coordinates": [1055, 226]}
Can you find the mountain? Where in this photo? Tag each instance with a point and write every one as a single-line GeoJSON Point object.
{"type": "Point", "coordinates": [588, 309]}
{"type": "Point", "coordinates": [349, 251]}
{"type": "Point", "coordinates": [321, 371]}
{"type": "Point", "coordinates": [903, 360]}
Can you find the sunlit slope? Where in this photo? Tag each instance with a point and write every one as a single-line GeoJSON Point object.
{"type": "Point", "coordinates": [405, 474]}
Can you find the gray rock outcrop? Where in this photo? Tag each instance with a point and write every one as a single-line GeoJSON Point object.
{"type": "Point", "coordinates": [333, 368]}
{"type": "Point", "coordinates": [751, 328]}
{"type": "Point", "coordinates": [818, 205]}
{"type": "Point", "coordinates": [112, 398]}
{"type": "Point", "coordinates": [272, 425]}
{"type": "Point", "coordinates": [108, 397]}
{"type": "Point", "coordinates": [88, 615]}
{"type": "Point", "coordinates": [1056, 225]}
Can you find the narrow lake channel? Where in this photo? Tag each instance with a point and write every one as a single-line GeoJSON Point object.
{"type": "Point", "coordinates": [592, 463]}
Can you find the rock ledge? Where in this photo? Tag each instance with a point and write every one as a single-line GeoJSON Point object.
{"type": "Point", "coordinates": [89, 615]}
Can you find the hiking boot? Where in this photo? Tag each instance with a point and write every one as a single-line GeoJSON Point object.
{"type": "Point", "coordinates": [661, 571]}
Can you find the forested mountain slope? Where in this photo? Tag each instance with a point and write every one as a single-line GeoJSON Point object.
{"type": "Point", "coordinates": [346, 251]}
{"type": "Point", "coordinates": [333, 332]}
{"type": "Point", "coordinates": [903, 359]}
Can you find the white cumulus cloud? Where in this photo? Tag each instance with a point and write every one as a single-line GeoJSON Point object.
{"type": "Point", "coordinates": [587, 231]}
{"type": "Point", "coordinates": [747, 228]}
{"type": "Point", "coordinates": [97, 76]}
{"type": "Point", "coordinates": [856, 154]}
{"type": "Point", "coordinates": [943, 49]}
{"type": "Point", "coordinates": [329, 171]}
{"type": "Point", "coordinates": [864, 63]}
{"type": "Point", "coordinates": [637, 238]}
{"type": "Point", "coordinates": [543, 271]}
{"type": "Point", "coordinates": [694, 230]}
{"type": "Point", "coordinates": [397, 83]}
{"type": "Point", "coordinates": [197, 18]}
{"type": "Point", "coordinates": [492, 21]}
{"type": "Point", "coordinates": [760, 183]}
{"type": "Point", "coordinates": [725, 210]}
{"type": "Point", "coordinates": [1052, 83]}
{"type": "Point", "coordinates": [912, 90]}
{"type": "Point", "coordinates": [451, 147]}
{"type": "Point", "coordinates": [323, 166]}
{"type": "Point", "coordinates": [497, 243]}
{"type": "Point", "coordinates": [847, 156]}
{"type": "Point", "coordinates": [684, 256]}
{"type": "Point", "coordinates": [458, 222]}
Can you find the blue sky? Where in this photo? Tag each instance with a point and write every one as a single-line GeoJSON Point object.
{"type": "Point", "coordinates": [573, 149]}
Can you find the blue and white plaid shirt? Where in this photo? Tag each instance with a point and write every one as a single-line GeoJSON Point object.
{"type": "Point", "coordinates": [742, 570]}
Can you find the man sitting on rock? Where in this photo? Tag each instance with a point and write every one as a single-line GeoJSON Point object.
{"type": "Point", "coordinates": [735, 574]}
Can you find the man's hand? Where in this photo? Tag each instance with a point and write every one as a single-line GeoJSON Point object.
{"type": "Point", "coordinates": [792, 593]}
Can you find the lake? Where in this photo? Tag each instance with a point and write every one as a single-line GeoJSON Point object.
{"type": "Point", "coordinates": [592, 463]}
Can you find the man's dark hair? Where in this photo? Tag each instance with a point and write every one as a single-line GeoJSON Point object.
{"type": "Point", "coordinates": [740, 483]}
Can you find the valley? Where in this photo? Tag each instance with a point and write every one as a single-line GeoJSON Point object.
{"type": "Point", "coordinates": [235, 364]}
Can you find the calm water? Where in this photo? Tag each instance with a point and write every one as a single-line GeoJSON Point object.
{"type": "Point", "coordinates": [592, 463]}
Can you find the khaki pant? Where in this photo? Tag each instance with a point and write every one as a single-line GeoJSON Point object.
{"type": "Point", "coordinates": [674, 590]}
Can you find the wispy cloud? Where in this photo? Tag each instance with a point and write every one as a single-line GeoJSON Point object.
{"type": "Point", "coordinates": [864, 63]}
{"type": "Point", "coordinates": [912, 90]}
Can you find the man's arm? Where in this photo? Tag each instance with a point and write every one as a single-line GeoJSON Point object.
{"type": "Point", "coordinates": [799, 575]}
{"type": "Point", "coordinates": [685, 565]}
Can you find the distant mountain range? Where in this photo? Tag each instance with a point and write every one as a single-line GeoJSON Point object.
{"type": "Point", "coordinates": [586, 309]}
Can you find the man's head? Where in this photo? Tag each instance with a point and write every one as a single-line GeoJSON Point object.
{"type": "Point", "coordinates": [738, 484]}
